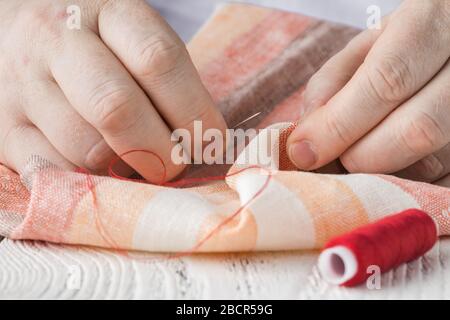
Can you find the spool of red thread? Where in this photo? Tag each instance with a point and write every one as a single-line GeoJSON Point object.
{"type": "Point", "coordinates": [387, 243]}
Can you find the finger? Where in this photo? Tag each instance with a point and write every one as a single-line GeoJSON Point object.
{"type": "Point", "coordinates": [104, 94]}
{"type": "Point", "coordinates": [430, 168]}
{"type": "Point", "coordinates": [444, 182]}
{"type": "Point", "coordinates": [418, 128]}
{"type": "Point", "coordinates": [337, 71]}
{"type": "Point", "coordinates": [158, 59]}
{"type": "Point", "coordinates": [48, 109]}
{"type": "Point", "coordinates": [393, 71]}
{"type": "Point", "coordinates": [22, 142]}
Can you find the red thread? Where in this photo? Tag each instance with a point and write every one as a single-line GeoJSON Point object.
{"type": "Point", "coordinates": [176, 184]}
{"type": "Point", "coordinates": [98, 222]}
{"type": "Point", "coordinates": [387, 243]}
{"type": "Point", "coordinates": [232, 216]}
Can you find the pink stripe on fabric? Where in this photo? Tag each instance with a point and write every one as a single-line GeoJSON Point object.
{"type": "Point", "coordinates": [247, 55]}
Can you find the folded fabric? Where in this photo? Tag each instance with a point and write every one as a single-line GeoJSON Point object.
{"type": "Point", "coordinates": [252, 60]}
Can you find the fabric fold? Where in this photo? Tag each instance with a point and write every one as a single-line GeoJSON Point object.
{"type": "Point", "coordinates": [267, 208]}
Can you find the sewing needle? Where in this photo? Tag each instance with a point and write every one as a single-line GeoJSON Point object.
{"type": "Point", "coordinates": [247, 120]}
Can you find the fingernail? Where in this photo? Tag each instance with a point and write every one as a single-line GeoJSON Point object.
{"type": "Point", "coordinates": [302, 154]}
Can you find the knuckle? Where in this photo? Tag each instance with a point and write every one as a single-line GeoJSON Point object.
{"type": "Point", "coordinates": [316, 79]}
{"type": "Point", "coordinates": [317, 88]}
{"type": "Point", "coordinates": [337, 128]}
{"type": "Point", "coordinates": [421, 135]}
{"type": "Point", "coordinates": [39, 20]}
{"type": "Point", "coordinates": [158, 56]}
{"type": "Point", "coordinates": [390, 80]}
{"type": "Point", "coordinates": [430, 168]}
{"type": "Point", "coordinates": [443, 98]}
{"type": "Point", "coordinates": [443, 11]}
{"type": "Point", "coordinates": [6, 146]}
{"type": "Point", "coordinates": [349, 162]}
{"type": "Point", "coordinates": [33, 16]}
{"type": "Point", "coordinates": [111, 107]}
{"type": "Point", "coordinates": [196, 114]}
{"type": "Point", "coordinates": [8, 142]}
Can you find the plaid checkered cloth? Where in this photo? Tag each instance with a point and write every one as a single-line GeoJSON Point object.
{"type": "Point", "coordinates": [252, 60]}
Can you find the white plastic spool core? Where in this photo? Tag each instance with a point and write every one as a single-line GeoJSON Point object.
{"type": "Point", "coordinates": [337, 265]}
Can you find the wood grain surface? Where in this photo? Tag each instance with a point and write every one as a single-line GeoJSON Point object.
{"type": "Point", "coordinates": [36, 270]}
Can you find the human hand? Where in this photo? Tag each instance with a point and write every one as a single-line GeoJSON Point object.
{"type": "Point", "coordinates": [122, 82]}
{"type": "Point", "coordinates": [382, 105]}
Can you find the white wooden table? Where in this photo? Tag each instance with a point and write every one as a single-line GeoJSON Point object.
{"type": "Point", "coordinates": [30, 270]}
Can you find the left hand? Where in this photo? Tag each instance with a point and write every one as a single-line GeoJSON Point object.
{"type": "Point", "coordinates": [382, 105]}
